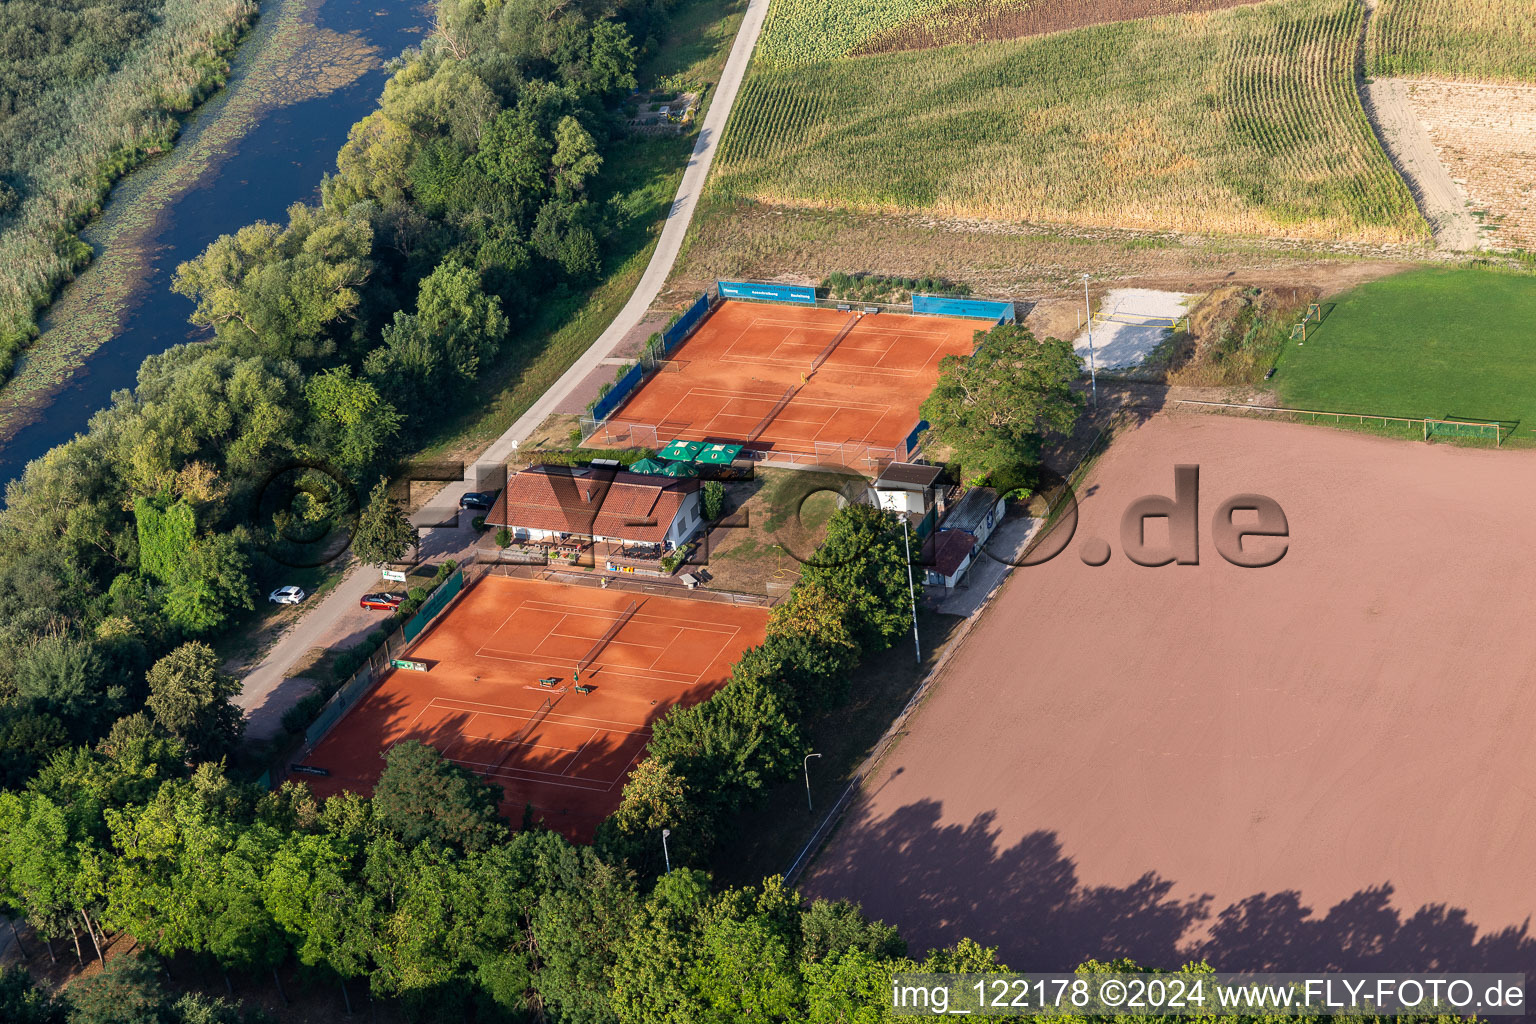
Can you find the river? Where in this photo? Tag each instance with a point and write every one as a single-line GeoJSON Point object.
{"type": "Point", "coordinates": [308, 71]}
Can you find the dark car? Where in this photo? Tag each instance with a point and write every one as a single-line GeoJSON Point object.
{"type": "Point", "coordinates": [479, 501]}
{"type": "Point", "coordinates": [381, 602]}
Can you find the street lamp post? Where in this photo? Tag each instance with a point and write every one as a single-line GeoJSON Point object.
{"type": "Point", "coordinates": [806, 764]}
{"type": "Point", "coordinates": [1093, 370]}
{"type": "Point", "coordinates": [664, 833]}
{"type": "Point", "coordinates": [911, 589]}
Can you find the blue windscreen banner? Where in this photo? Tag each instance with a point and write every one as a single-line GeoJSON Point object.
{"type": "Point", "coordinates": [801, 294]}
{"type": "Point", "coordinates": [980, 309]}
{"type": "Point", "coordinates": [609, 403]}
{"type": "Point", "coordinates": [910, 445]}
{"type": "Point", "coordinates": [678, 332]}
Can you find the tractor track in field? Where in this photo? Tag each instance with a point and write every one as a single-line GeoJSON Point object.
{"type": "Point", "coordinates": [1407, 143]}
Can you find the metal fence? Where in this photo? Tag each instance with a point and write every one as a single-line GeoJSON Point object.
{"type": "Point", "coordinates": [1427, 427]}
{"type": "Point", "coordinates": [623, 584]}
{"type": "Point", "coordinates": [361, 681]}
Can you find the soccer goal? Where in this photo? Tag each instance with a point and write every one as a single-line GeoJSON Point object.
{"type": "Point", "coordinates": [1464, 428]}
{"type": "Point", "coordinates": [1314, 316]}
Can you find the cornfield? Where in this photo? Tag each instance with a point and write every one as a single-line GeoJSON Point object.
{"type": "Point", "coordinates": [1240, 121]}
{"type": "Point", "coordinates": [800, 32]}
{"type": "Point", "coordinates": [974, 21]}
{"type": "Point", "coordinates": [1491, 40]}
{"type": "Point", "coordinates": [77, 142]}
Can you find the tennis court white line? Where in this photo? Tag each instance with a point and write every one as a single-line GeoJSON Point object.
{"type": "Point", "coordinates": [641, 674]}
{"type": "Point", "coordinates": [446, 702]}
{"type": "Point", "coordinates": [655, 618]}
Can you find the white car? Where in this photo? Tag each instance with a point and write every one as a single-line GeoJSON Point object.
{"type": "Point", "coordinates": [287, 595]}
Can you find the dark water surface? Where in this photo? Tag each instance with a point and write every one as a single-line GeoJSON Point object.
{"type": "Point", "coordinates": [277, 161]}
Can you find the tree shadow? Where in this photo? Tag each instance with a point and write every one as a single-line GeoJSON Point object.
{"type": "Point", "coordinates": [941, 883]}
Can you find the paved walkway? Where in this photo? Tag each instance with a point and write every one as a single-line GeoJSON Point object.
{"type": "Point", "coordinates": [267, 691]}
{"type": "Point", "coordinates": [667, 248]}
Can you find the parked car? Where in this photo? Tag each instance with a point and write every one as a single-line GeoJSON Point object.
{"type": "Point", "coordinates": [287, 595]}
{"type": "Point", "coordinates": [479, 501]}
{"type": "Point", "coordinates": [381, 602]}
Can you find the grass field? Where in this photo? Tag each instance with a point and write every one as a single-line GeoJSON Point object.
{"type": "Point", "coordinates": [1493, 40]}
{"type": "Point", "coordinates": [1243, 121]}
{"type": "Point", "coordinates": [1442, 343]}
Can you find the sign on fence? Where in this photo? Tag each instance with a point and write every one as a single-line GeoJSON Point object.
{"type": "Point", "coordinates": [980, 309]}
{"type": "Point", "coordinates": [796, 293]}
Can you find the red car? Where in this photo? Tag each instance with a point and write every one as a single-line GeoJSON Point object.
{"type": "Point", "coordinates": [381, 602]}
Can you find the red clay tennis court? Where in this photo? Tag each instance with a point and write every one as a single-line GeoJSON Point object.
{"type": "Point", "coordinates": [482, 704]}
{"type": "Point", "coordinates": [794, 379]}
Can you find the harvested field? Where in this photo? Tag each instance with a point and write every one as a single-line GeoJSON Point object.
{"type": "Point", "coordinates": [975, 21]}
{"type": "Point", "coordinates": [1487, 40]}
{"type": "Point", "coordinates": [1321, 764]}
{"type": "Point", "coordinates": [1243, 121]}
{"type": "Point", "coordinates": [770, 243]}
{"type": "Point", "coordinates": [1485, 136]}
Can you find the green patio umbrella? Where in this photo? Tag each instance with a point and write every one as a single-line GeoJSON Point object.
{"type": "Point", "coordinates": [647, 466]}
{"type": "Point", "coordinates": [682, 451]}
{"type": "Point", "coordinates": [718, 455]}
{"type": "Point", "coordinates": [680, 469]}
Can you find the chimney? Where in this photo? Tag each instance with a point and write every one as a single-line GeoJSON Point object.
{"type": "Point", "coordinates": [589, 493]}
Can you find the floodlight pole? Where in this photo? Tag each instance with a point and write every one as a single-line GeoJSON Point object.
{"type": "Point", "coordinates": [911, 589]}
{"type": "Point", "coordinates": [664, 833]}
{"type": "Point", "coordinates": [806, 764]}
{"type": "Point", "coordinates": [1093, 371]}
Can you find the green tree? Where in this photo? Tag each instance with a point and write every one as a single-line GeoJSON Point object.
{"type": "Point", "coordinates": [189, 698]}
{"type": "Point", "coordinates": [655, 797]}
{"type": "Point", "coordinates": [350, 423]}
{"type": "Point", "coordinates": [862, 562]}
{"type": "Point", "coordinates": [576, 158]}
{"type": "Point", "coordinates": [278, 291]}
{"type": "Point", "coordinates": [21, 1002]}
{"type": "Point", "coordinates": [584, 915]}
{"type": "Point", "coordinates": [383, 534]}
{"type": "Point", "coordinates": [829, 927]}
{"type": "Point", "coordinates": [165, 531]}
{"type": "Point", "coordinates": [993, 409]}
{"type": "Point", "coordinates": [210, 584]}
{"type": "Point", "coordinates": [745, 962]}
{"type": "Point", "coordinates": [421, 797]}
{"type": "Point", "coordinates": [612, 64]}
{"type": "Point", "coordinates": [650, 978]}
{"type": "Point", "coordinates": [66, 676]}
{"type": "Point", "coordinates": [733, 745]}
{"type": "Point", "coordinates": [127, 990]}
{"type": "Point", "coordinates": [812, 643]}
{"type": "Point", "coordinates": [714, 499]}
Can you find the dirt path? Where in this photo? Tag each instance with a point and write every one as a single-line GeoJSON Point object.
{"type": "Point", "coordinates": [1412, 152]}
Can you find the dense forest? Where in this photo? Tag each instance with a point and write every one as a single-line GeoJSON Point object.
{"type": "Point", "coordinates": [334, 336]}
{"type": "Point", "coordinates": [88, 90]}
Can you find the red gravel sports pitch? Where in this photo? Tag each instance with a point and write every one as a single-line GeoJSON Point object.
{"type": "Point", "coordinates": [1327, 763]}
{"type": "Point", "coordinates": [483, 706]}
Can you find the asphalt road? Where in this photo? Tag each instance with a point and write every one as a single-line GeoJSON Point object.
{"type": "Point", "coordinates": [335, 620]}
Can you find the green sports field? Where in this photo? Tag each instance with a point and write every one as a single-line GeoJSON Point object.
{"type": "Point", "coordinates": [1454, 344]}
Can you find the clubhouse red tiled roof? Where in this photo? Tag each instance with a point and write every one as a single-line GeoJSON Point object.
{"type": "Point", "coordinates": [593, 501]}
